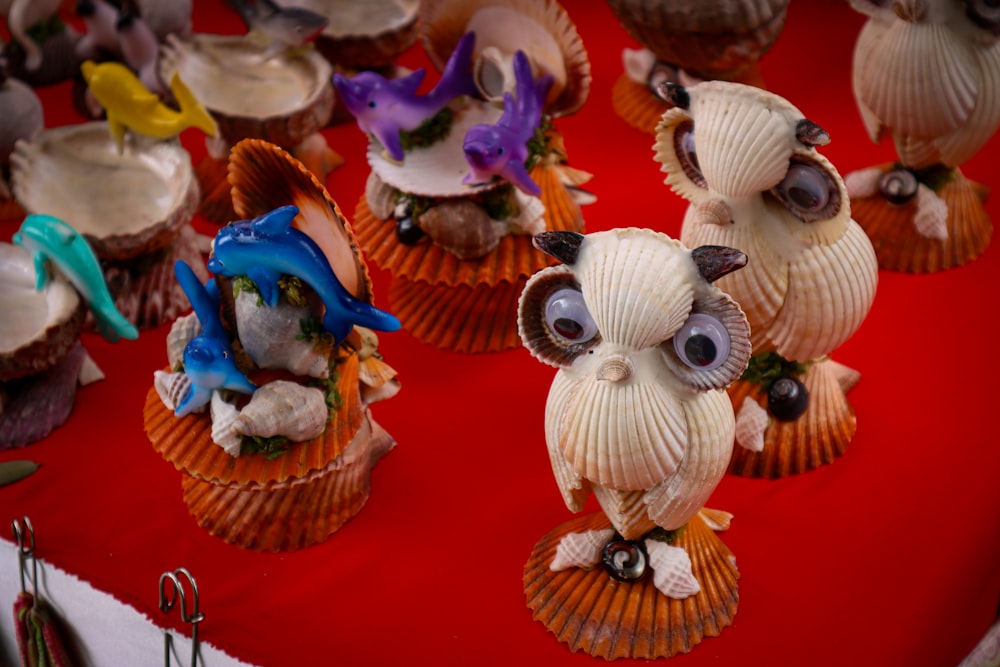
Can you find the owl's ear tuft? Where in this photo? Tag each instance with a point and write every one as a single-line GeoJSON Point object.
{"type": "Point", "coordinates": [564, 246]}
{"type": "Point", "coordinates": [715, 261]}
{"type": "Point", "coordinates": [674, 93]}
{"type": "Point", "coordinates": [810, 134]}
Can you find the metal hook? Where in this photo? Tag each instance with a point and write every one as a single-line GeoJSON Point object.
{"type": "Point", "coordinates": [167, 603]}
{"type": "Point", "coordinates": [26, 551]}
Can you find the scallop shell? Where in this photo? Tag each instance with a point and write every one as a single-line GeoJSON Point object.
{"type": "Point", "coordinates": [283, 99]}
{"type": "Point", "coordinates": [542, 29]}
{"type": "Point", "coordinates": [711, 40]}
{"type": "Point", "coordinates": [125, 205]}
{"type": "Point", "coordinates": [224, 416]}
{"type": "Point", "coordinates": [900, 247]}
{"type": "Point", "coordinates": [284, 408]}
{"type": "Point", "coordinates": [636, 105]}
{"type": "Point", "coordinates": [294, 515]}
{"type": "Point", "coordinates": [672, 573]}
{"type": "Point", "coordinates": [459, 318]}
{"type": "Point", "coordinates": [364, 36]}
{"type": "Point", "coordinates": [216, 199]}
{"type": "Point", "coordinates": [461, 227]}
{"type": "Point", "coordinates": [818, 437]}
{"type": "Point", "coordinates": [589, 611]}
{"type": "Point", "coordinates": [580, 549]}
{"type": "Point", "coordinates": [40, 327]}
{"type": "Point", "coordinates": [186, 442]}
{"type": "Point", "coordinates": [181, 332]}
{"type": "Point", "coordinates": [272, 337]}
{"type": "Point", "coordinates": [40, 403]}
{"type": "Point", "coordinates": [171, 387]}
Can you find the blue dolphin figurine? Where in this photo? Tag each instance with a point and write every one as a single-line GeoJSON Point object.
{"type": "Point", "coordinates": [208, 357]}
{"type": "Point", "coordinates": [502, 148]}
{"type": "Point", "coordinates": [268, 246]}
{"type": "Point", "coordinates": [383, 107]}
{"type": "Point", "coordinates": [49, 238]}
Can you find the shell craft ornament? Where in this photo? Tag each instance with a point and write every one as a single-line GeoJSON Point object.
{"type": "Point", "coordinates": [265, 408]}
{"type": "Point", "coordinates": [464, 175]}
{"type": "Point", "coordinates": [24, 118]}
{"type": "Point", "coordinates": [926, 73]}
{"type": "Point", "coordinates": [637, 416]}
{"type": "Point", "coordinates": [686, 42]}
{"type": "Point", "coordinates": [746, 161]}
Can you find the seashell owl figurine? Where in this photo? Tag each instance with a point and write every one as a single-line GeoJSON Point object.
{"type": "Point", "coordinates": [926, 72]}
{"type": "Point", "coordinates": [636, 415]}
{"type": "Point", "coordinates": [745, 160]}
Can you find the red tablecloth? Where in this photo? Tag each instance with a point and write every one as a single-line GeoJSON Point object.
{"type": "Point", "coordinates": [887, 557]}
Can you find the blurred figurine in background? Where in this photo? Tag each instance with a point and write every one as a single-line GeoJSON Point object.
{"type": "Point", "coordinates": [23, 118]}
{"type": "Point", "coordinates": [687, 42]}
{"type": "Point", "coordinates": [927, 73]}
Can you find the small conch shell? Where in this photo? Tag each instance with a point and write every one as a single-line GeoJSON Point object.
{"type": "Point", "coordinates": [751, 422]}
{"type": "Point", "coordinates": [380, 196]}
{"type": "Point", "coordinates": [461, 227]}
{"type": "Point", "coordinates": [580, 549]}
{"type": "Point", "coordinates": [672, 573]}
{"type": "Point", "coordinates": [172, 388]}
{"type": "Point", "coordinates": [182, 331]}
{"type": "Point", "coordinates": [223, 416]}
{"type": "Point", "coordinates": [272, 337]}
{"type": "Point", "coordinates": [284, 408]}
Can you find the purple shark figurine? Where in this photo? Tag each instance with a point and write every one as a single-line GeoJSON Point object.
{"type": "Point", "coordinates": [383, 107]}
{"type": "Point", "coordinates": [502, 148]}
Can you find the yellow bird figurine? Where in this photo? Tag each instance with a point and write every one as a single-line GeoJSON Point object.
{"type": "Point", "coordinates": [129, 104]}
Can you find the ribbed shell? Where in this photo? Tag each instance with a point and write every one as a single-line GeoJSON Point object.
{"type": "Point", "coordinates": [540, 27]}
{"type": "Point", "coordinates": [284, 408]}
{"type": "Point", "coordinates": [712, 40]}
{"type": "Point", "coordinates": [816, 438]}
{"type": "Point", "coordinates": [223, 417]}
{"type": "Point", "coordinates": [580, 549]}
{"type": "Point", "coordinates": [364, 35]}
{"type": "Point", "coordinates": [589, 611]}
{"type": "Point", "coordinates": [182, 331]}
{"type": "Point", "coordinates": [751, 422]}
{"type": "Point", "coordinates": [171, 387]}
{"type": "Point", "coordinates": [672, 574]}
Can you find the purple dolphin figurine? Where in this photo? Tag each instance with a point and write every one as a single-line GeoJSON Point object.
{"type": "Point", "coordinates": [501, 149]}
{"type": "Point", "coordinates": [383, 107]}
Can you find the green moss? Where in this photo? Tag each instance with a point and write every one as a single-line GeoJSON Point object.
{"type": "Point", "coordinates": [271, 448]}
{"type": "Point", "coordinates": [663, 535]}
{"type": "Point", "coordinates": [538, 145]}
{"type": "Point", "coordinates": [430, 131]}
{"type": "Point", "coordinates": [244, 284]}
{"type": "Point", "coordinates": [294, 290]}
{"type": "Point", "coordinates": [764, 369]}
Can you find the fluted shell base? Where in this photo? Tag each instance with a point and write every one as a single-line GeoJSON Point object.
{"type": "Point", "coordinates": [818, 437]}
{"type": "Point", "coordinates": [294, 514]}
{"type": "Point", "coordinates": [591, 612]}
{"type": "Point", "coordinates": [900, 247]}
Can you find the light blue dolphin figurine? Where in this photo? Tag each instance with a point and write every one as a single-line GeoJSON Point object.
{"type": "Point", "coordinates": [48, 238]}
{"type": "Point", "coordinates": [383, 107]}
{"type": "Point", "coordinates": [502, 148]}
{"type": "Point", "coordinates": [208, 357]}
{"type": "Point", "coordinates": [268, 247]}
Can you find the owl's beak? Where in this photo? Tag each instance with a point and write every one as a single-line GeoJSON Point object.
{"type": "Point", "coordinates": [615, 368]}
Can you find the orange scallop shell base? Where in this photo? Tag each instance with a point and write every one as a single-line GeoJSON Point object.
{"type": "Point", "coordinates": [898, 245]}
{"type": "Point", "coordinates": [591, 612]}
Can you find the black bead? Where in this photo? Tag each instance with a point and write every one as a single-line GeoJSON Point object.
{"type": "Point", "coordinates": [408, 231]}
{"type": "Point", "coordinates": [625, 560]}
{"type": "Point", "coordinates": [787, 399]}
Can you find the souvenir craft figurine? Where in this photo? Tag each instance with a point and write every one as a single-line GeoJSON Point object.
{"type": "Point", "coordinates": [23, 119]}
{"type": "Point", "coordinates": [463, 175]}
{"type": "Point", "coordinates": [926, 73]}
{"type": "Point", "coordinates": [131, 194]}
{"type": "Point", "coordinates": [264, 407]}
{"type": "Point", "coordinates": [270, 90]}
{"type": "Point", "coordinates": [746, 161]}
{"type": "Point", "coordinates": [644, 345]}
{"type": "Point", "coordinates": [687, 42]}
{"type": "Point", "coordinates": [42, 47]}
{"type": "Point", "coordinates": [48, 280]}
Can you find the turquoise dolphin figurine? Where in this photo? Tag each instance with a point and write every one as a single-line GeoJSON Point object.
{"type": "Point", "coordinates": [383, 107]}
{"type": "Point", "coordinates": [208, 357]}
{"type": "Point", "coordinates": [48, 238]}
{"type": "Point", "coordinates": [268, 247]}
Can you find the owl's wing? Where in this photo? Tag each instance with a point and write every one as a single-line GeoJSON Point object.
{"type": "Point", "coordinates": [959, 146]}
{"type": "Point", "coordinates": [861, 56]}
{"type": "Point", "coordinates": [574, 488]}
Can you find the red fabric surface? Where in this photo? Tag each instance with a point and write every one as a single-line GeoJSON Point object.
{"type": "Point", "coordinates": [887, 557]}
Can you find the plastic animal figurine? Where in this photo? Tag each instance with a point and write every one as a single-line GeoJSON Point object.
{"type": "Point", "coordinates": [644, 345]}
{"type": "Point", "coordinates": [21, 17]}
{"type": "Point", "coordinates": [140, 49]}
{"type": "Point", "coordinates": [385, 107]}
{"type": "Point", "coordinates": [281, 27]}
{"type": "Point", "coordinates": [208, 358]}
{"type": "Point", "coordinates": [130, 105]}
{"type": "Point", "coordinates": [501, 149]}
{"type": "Point", "coordinates": [746, 161]}
{"type": "Point", "coordinates": [48, 238]}
{"type": "Point", "coordinates": [926, 73]}
{"type": "Point", "coordinates": [268, 247]}
{"type": "Point", "coordinates": [99, 17]}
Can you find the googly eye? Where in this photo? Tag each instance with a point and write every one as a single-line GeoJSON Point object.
{"type": "Point", "coordinates": [687, 154]}
{"type": "Point", "coordinates": [984, 13]}
{"type": "Point", "coordinates": [661, 72]}
{"type": "Point", "coordinates": [567, 316]}
{"type": "Point", "coordinates": [809, 192]}
{"type": "Point", "coordinates": [702, 342]}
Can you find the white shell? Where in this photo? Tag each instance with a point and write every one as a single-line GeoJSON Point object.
{"type": "Point", "coordinates": [580, 549]}
{"type": "Point", "coordinates": [270, 337]}
{"type": "Point", "coordinates": [182, 331]}
{"type": "Point", "coordinates": [931, 219]}
{"type": "Point", "coordinates": [223, 416]}
{"type": "Point", "coordinates": [751, 422]}
{"type": "Point", "coordinates": [172, 387]}
{"type": "Point", "coordinates": [381, 198]}
{"type": "Point", "coordinates": [284, 408]}
{"type": "Point", "coordinates": [672, 573]}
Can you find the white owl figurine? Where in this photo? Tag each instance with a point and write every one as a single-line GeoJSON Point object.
{"type": "Point", "coordinates": [926, 73]}
{"type": "Point", "coordinates": [637, 414]}
{"type": "Point", "coordinates": [745, 160]}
